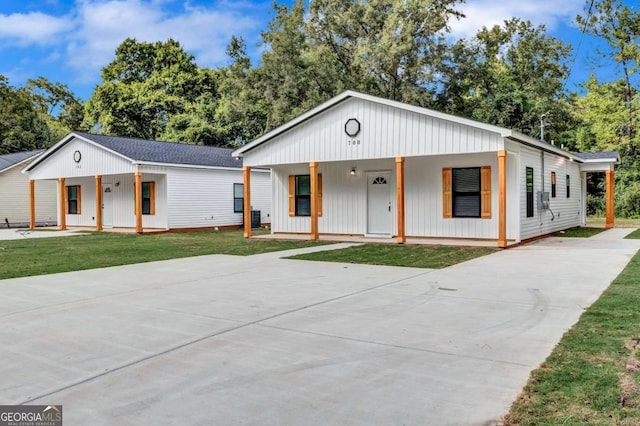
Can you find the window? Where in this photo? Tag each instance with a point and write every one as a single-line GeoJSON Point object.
{"type": "Point", "coordinates": [300, 195]}
{"type": "Point", "coordinates": [466, 192]}
{"type": "Point", "coordinates": [149, 198]}
{"type": "Point", "coordinates": [73, 199]}
{"type": "Point", "coordinates": [303, 195]}
{"type": "Point", "coordinates": [238, 197]}
{"type": "Point", "coordinates": [568, 186]}
{"type": "Point", "coordinates": [529, 192]}
{"type": "Point", "coordinates": [553, 184]}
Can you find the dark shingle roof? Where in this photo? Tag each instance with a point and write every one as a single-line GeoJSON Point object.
{"type": "Point", "coordinates": [10, 160]}
{"type": "Point", "coordinates": [166, 152]}
{"type": "Point", "coordinates": [608, 155]}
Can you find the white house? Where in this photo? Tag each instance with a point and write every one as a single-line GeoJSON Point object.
{"type": "Point", "coordinates": [362, 165]}
{"type": "Point", "coordinates": [105, 181]}
{"type": "Point", "coordinates": [14, 193]}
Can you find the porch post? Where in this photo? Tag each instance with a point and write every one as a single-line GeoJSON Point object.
{"type": "Point", "coordinates": [62, 206]}
{"type": "Point", "coordinates": [138, 201]}
{"type": "Point", "coordinates": [400, 199]}
{"type": "Point", "coordinates": [32, 204]}
{"type": "Point", "coordinates": [583, 192]}
{"type": "Point", "coordinates": [609, 185]}
{"type": "Point", "coordinates": [246, 210]}
{"type": "Point", "coordinates": [313, 168]}
{"type": "Point", "coordinates": [502, 199]}
{"type": "Point", "coordinates": [98, 203]}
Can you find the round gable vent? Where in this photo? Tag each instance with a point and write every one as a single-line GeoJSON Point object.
{"type": "Point", "coordinates": [352, 127]}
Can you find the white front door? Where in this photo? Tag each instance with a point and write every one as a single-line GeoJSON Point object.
{"type": "Point", "coordinates": [379, 203]}
{"type": "Point", "coordinates": [107, 205]}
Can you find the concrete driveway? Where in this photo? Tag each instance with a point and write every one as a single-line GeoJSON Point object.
{"type": "Point", "coordinates": [262, 340]}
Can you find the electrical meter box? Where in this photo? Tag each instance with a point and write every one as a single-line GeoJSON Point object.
{"type": "Point", "coordinates": [543, 200]}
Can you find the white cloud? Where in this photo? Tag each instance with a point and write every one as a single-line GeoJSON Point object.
{"type": "Point", "coordinates": [92, 30]}
{"type": "Point", "coordinates": [488, 13]}
{"type": "Point", "coordinates": [103, 25]}
{"type": "Point", "coordinates": [31, 28]}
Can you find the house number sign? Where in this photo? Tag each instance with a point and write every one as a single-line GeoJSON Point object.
{"type": "Point", "coordinates": [352, 129]}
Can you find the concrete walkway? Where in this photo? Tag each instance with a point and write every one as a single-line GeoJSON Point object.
{"type": "Point", "coordinates": [24, 233]}
{"type": "Point", "coordinates": [261, 340]}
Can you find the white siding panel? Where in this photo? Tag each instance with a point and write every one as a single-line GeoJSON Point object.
{"type": "Point", "coordinates": [386, 132]}
{"type": "Point", "coordinates": [204, 198]}
{"type": "Point", "coordinates": [95, 161]}
{"type": "Point", "coordinates": [345, 198]}
{"type": "Point", "coordinates": [14, 199]}
{"type": "Point", "coordinates": [566, 211]}
{"type": "Point", "coordinates": [423, 198]}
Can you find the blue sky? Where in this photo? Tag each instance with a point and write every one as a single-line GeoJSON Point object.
{"type": "Point", "coordinates": [71, 40]}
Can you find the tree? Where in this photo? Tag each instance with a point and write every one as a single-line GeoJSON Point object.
{"type": "Point", "coordinates": [21, 127]}
{"type": "Point", "coordinates": [619, 26]}
{"type": "Point", "coordinates": [143, 89]}
{"type": "Point", "coordinates": [389, 48]}
{"type": "Point", "coordinates": [241, 112]}
{"type": "Point", "coordinates": [510, 75]}
{"type": "Point", "coordinates": [57, 105]}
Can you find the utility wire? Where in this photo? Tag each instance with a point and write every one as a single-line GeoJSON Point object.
{"type": "Point", "coordinates": [575, 56]}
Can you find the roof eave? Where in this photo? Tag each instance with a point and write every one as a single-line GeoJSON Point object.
{"type": "Point", "coordinates": [19, 163]}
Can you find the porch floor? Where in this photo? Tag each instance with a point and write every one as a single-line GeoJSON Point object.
{"type": "Point", "coordinates": [118, 230]}
{"type": "Point", "coordinates": [362, 239]}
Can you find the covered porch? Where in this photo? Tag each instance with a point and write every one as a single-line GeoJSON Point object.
{"type": "Point", "coordinates": [405, 200]}
{"type": "Point", "coordinates": [126, 201]}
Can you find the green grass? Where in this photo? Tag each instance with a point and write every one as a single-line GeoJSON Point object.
{"type": "Point", "coordinates": [585, 381]}
{"type": "Point", "coordinates": [400, 255]}
{"type": "Point", "coordinates": [635, 235]}
{"type": "Point", "coordinates": [37, 256]}
{"type": "Point", "coordinates": [580, 232]}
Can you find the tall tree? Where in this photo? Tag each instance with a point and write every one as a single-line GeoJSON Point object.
{"type": "Point", "coordinates": [57, 105]}
{"type": "Point", "coordinates": [389, 48]}
{"type": "Point", "coordinates": [241, 113]}
{"type": "Point", "coordinates": [619, 26]}
{"type": "Point", "coordinates": [143, 89]}
{"type": "Point", "coordinates": [21, 127]}
{"type": "Point", "coordinates": [510, 75]}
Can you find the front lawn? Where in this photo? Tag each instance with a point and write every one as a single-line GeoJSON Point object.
{"type": "Point", "coordinates": [592, 377]}
{"type": "Point", "coordinates": [635, 235]}
{"type": "Point", "coordinates": [400, 255]}
{"type": "Point", "coordinates": [37, 256]}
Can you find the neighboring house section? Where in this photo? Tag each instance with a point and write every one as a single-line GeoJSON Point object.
{"type": "Point", "coordinates": [362, 165]}
{"type": "Point", "coordinates": [105, 181]}
{"type": "Point", "coordinates": [14, 193]}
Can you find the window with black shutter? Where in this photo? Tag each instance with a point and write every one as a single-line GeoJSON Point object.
{"type": "Point", "coordinates": [466, 192]}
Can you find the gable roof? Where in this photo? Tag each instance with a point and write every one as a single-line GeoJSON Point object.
{"type": "Point", "coordinates": [156, 152]}
{"type": "Point", "coordinates": [349, 94]}
{"type": "Point", "coordinates": [8, 161]}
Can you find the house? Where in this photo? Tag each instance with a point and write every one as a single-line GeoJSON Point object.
{"type": "Point", "coordinates": [14, 193]}
{"type": "Point", "coordinates": [366, 166]}
{"type": "Point", "coordinates": [115, 182]}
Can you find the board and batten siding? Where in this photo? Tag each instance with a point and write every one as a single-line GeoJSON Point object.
{"type": "Point", "coordinates": [566, 211]}
{"type": "Point", "coordinates": [204, 197]}
{"type": "Point", "coordinates": [344, 198]}
{"type": "Point", "coordinates": [386, 132]}
{"type": "Point", "coordinates": [94, 161]}
{"type": "Point", "coordinates": [14, 199]}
